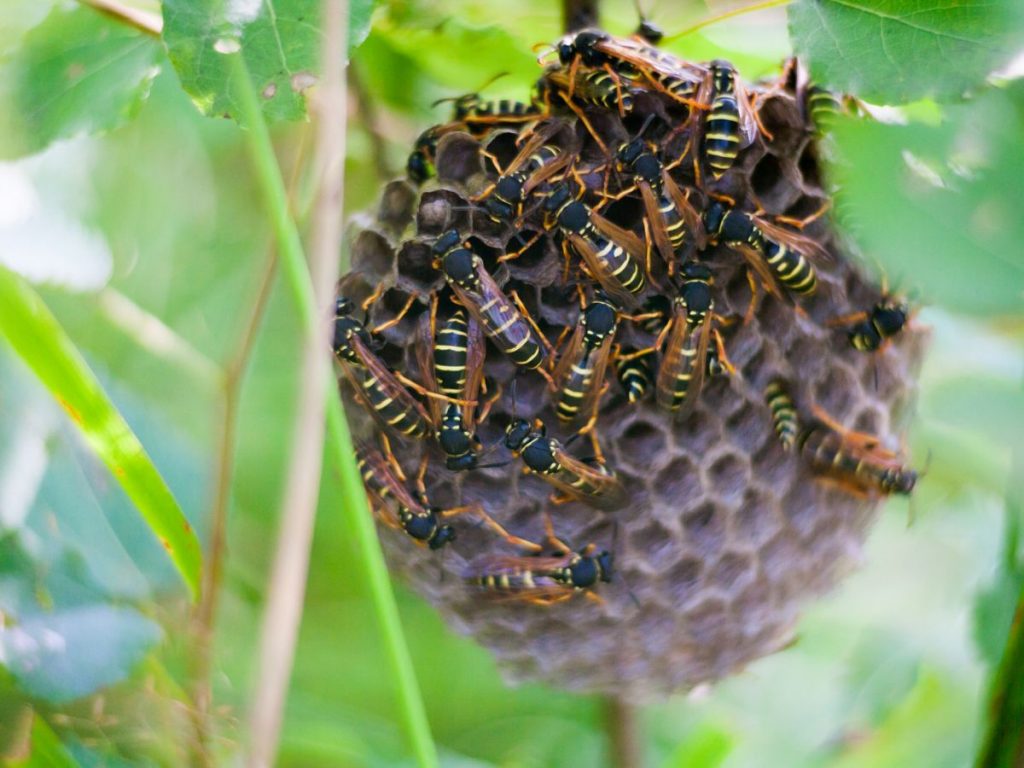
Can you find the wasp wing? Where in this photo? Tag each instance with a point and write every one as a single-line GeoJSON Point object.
{"type": "Point", "coordinates": [599, 271]}
{"type": "Point", "coordinates": [657, 222]}
{"type": "Point", "coordinates": [475, 353]}
{"type": "Point", "coordinates": [632, 244]}
{"type": "Point", "coordinates": [798, 242]}
{"type": "Point", "coordinates": [692, 217]}
{"type": "Point", "coordinates": [569, 358]}
{"type": "Point", "coordinates": [608, 492]}
{"type": "Point", "coordinates": [748, 121]}
{"type": "Point", "coordinates": [390, 385]}
{"type": "Point", "coordinates": [425, 358]}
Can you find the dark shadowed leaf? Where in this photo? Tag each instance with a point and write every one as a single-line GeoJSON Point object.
{"type": "Point", "coordinates": [938, 205]}
{"type": "Point", "coordinates": [895, 51]}
{"type": "Point", "coordinates": [280, 40]}
{"type": "Point", "coordinates": [78, 72]}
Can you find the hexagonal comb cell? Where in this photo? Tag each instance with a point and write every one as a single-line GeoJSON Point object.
{"type": "Point", "coordinates": [721, 535]}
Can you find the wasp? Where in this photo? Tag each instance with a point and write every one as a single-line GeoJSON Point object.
{"type": "Point", "coordinates": [611, 254]}
{"type": "Point", "coordinates": [385, 482]}
{"type": "Point", "coordinates": [668, 209]}
{"type": "Point", "coordinates": [420, 165]}
{"type": "Point", "coordinates": [853, 457]}
{"type": "Point", "coordinates": [783, 410]}
{"type": "Point", "coordinates": [476, 290]}
{"type": "Point", "coordinates": [536, 162]}
{"type": "Point", "coordinates": [594, 484]}
{"type": "Point", "coordinates": [579, 376]}
{"type": "Point", "coordinates": [596, 87]}
{"type": "Point", "coordinates": [630, 58]}
{"type": "Point", "coordinates": [452, 359]}
{"type": "Point", "coordinates": [684, 362]}
{"type": "Point", "coordinates": [635, 373]}
{"type": "Point", "coordinates": [774, 252]}
{"type": "Point", "coordinates": [731, 123]}
{"type": "Point", "coordinates": [381, 390]}
{"type": "Point", "coordinates": [541, 580]}
{"type": "Point", "coordinates": [872, 330]}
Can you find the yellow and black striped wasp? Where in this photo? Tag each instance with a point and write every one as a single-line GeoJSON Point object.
{"type": "Point", "coordinates": [783, 410]}
{"type": "Point", "coordinates": [631, 58]}
{"type": "Point", "coordinates": [579, 376]}
{"type": "Point", "coordinates": [451, 357]}
{"type": "Point", "coordinates": [613, 256]}
{"type": "Point", "coordinates": [669, 211]}
{"type": "Point", "coordinates": [776, 254]}
{"type": "Point", "coordinates": [592, 483]}
{"type": "Point", "coordinates": [595, 87]}
{"type": "Point", "coordinates": [635, 372]}
{"type": "Point", "coordinates": [542, 580]}
{"type": "Point", "coordinates": [855, 459]}
{"type": "Point", "coordinates": [385, 483]}
{"type": "Point", "coordinates": [870, 331]}
{"type": "Point", "coordinates": [475, 289]}
{"type": "Point", "coordinates": [379, 389]}
{"type": "Point", "coordinates": [684, 361]}
{"type": "Point", "coordinates": [534, 164]}
{"type": "Point", "coordinates": [731, 124]}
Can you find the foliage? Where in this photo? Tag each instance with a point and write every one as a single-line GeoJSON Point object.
{"type": "Point", "coordinates": [896, 51]}
{"type": "Point", "coordinates": [885, 672]}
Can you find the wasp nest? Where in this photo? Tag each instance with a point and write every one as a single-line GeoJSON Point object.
{"type": "Point", "coordinates": [724, 533]}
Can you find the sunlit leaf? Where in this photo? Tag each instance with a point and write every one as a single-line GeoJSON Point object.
{"type": "Point", "coordinates": [35, 335]}
{"type": "Point", "coordinates": [79, 72]}
{"type": "Point", "coordinates": [280, 40]}
{"type": "Point", "coordinates": [894, 51]}
{"type": "Point", "coordinates": [938, 205]}
{"type": "Point", "coordinates": [47, 750]}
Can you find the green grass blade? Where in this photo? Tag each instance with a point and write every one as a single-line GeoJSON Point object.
{"type": "Point", "coordinates": [341, 452]}
{"type": "Point", "coordinates": [38, 339]}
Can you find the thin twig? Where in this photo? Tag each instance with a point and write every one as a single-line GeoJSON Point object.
{"type": "Point", "coordinates": [371, 123]}
{"type": "Point", "coordinates": [624, 745]}
{"type": "Point", "coordinates": [742, 11]}
{"type": "Point", "coordinates": [206, 611]}
{"type": "Point", "coordinates": [144, 21]}
{"type": "Point", "coordinates": [283, 615]}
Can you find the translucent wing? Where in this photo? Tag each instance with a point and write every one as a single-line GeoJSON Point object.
{"type": "Point", "coordinates": [425, 358]}
{"type": "Point", "coordinates": [475, 353]}
{"type": "Point", "coordinates": [692, 217]}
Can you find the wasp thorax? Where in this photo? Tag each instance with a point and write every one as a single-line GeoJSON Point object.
{"type": "Point", "coordinates": [608, 375]}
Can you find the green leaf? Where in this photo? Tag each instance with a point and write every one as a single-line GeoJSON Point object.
{"type": "Point", "coordinates": [279, 39]}
{"type": "Point", "coordinates": [64, 655]}
{"type": "Point", "coordinates": [78, 72]}
{"type": "Point", "coordinates": [707, 747]}
{"type": "Point", "coordinates": [895, 51]}
{"type": "Point", "coordinates": [36, 336]}
{"type": "Point", "coordinates": [937, 206]}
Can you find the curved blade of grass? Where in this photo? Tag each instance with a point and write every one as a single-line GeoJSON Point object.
{"type": "Point", "coordinates": [39, 340]}
{"type": "Point", "coordinates": [340, 450]}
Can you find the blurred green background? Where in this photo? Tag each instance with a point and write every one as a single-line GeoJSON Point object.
{"type": "Point", "coordinates": [148, 239]}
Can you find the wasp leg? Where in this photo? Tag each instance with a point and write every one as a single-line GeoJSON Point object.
{"type": "Point", "coordinates": [398, 317]}
{"type": "Point", "coordinates": [368, 301]}
{"type": "Point", "coordinates": [801, 223]}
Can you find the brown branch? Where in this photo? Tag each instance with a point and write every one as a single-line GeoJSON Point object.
{"type": "Point", "coordinates": [206, 612]}
{"type": "Point", "coordinates": [279, 633]}
{"type": "Point", "coordinates": [371, 123]}
{"type": "Point", "coordinates": [144, 21]}
{"type": "Point", "coordinates": [624, 745]}
{"type": "Point", "coordinates": [579, 14]}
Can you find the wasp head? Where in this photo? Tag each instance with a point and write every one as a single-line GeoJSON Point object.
{"type": "Point", "coordinates": [516, 433]}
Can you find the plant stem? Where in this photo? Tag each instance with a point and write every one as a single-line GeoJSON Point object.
{"type": "Point", "coordinates": [754, 7]}
{"type": "Point", "coordinates": [621, 724]}
{"type": "Point", "coordinates": [1003, 745]}
{"type": "Point", "coordinates": [341, 453]}
{"type": "Point", "coordinates": [206, 612]}
{"type": "Point", "coordinates": [579, 14]}
{"type": "Point", "coordinates": [144, 21]}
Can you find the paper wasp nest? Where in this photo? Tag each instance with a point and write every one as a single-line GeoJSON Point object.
{"type": "Point", "coordinates": [725, 535]}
